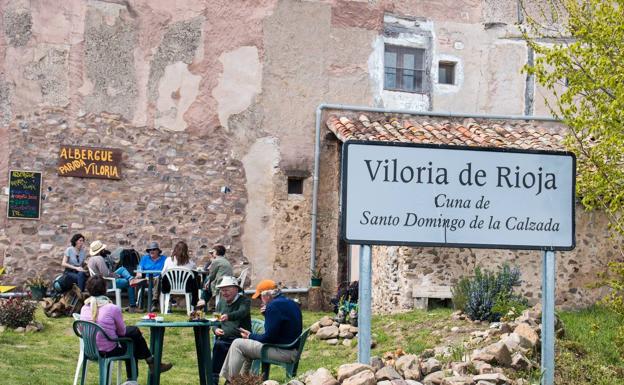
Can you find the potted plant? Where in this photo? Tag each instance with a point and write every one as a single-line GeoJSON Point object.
{"type": "Point", "coordinates": [38, 287]}
{"type": "Point", "coordinates": [315, 277]}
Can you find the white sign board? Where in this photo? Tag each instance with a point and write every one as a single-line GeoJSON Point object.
{"type": "Point", "coordinates": [424, 195]}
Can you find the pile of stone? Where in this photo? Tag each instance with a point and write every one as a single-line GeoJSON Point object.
{"type": "Point", "coordinates": [33, 326]}
{"type": "Point", "coordinates": [333, 333]}
{"type": "Point", "coordinates": [489, 357]}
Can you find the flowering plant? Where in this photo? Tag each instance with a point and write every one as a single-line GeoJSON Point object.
{"type": "Point", "coordinates": [37, 281]}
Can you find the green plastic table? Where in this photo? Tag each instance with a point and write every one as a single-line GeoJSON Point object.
{"type": "Point", "coordinates": [201, 329]}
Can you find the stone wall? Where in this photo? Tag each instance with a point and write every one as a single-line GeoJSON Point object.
{"type": "Point", "coordinates": [170, 191]}
{"type": "Point", "coordinates": [397, 269]}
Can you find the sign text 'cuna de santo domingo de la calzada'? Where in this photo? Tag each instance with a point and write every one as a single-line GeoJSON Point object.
{"type": "Point", "coordinates": [434, 195]}
{"type": "Point", "coordinates": [89, 162]}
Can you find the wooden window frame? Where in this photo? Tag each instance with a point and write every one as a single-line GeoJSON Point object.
{"type": "Point", "coordinates": [400, 51]}
{"type": "Point", "coordinates": [448, 64]}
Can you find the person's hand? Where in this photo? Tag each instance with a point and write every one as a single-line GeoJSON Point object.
{"type": "Point", "coordinates": [219, 332]}
{"type": "Point", "coordinates": [244, 333]}
{"type": "Point", "coordinates": [224, 317]}
{"type": "Point", "coordinates": [81, 269]}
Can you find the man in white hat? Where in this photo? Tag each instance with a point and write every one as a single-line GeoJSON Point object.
{"type": "Point", "coordinates": [233, 310]}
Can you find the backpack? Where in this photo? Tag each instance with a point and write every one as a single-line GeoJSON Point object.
{"type": "Point", "coordinates": [59, 284]}
{"type": "Point", "coordinates": [129, 259]}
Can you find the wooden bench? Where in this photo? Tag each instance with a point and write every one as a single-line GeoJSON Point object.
{"type": "Point", "coordinates": [421, 295]}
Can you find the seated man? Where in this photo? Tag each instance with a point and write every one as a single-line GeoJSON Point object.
{"type": "Point", "coordinates": [234, 309]}
{"type": "Point", "coordinates": [282, 325]}
{"type": "Point", "coordinates": [154, 260]}
{"type": "Point", "coordinates": [219, 268]}
{"type": "Point", "coordinates": [98, 265]}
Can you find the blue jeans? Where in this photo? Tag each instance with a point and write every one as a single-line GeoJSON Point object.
{"type": "Point", "coordinates": [77, 277]}
{"type": "Point", "coordinates": [124, 283]}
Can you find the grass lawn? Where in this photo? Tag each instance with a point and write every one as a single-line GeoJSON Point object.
{"type": "Point", "coordinates": [586, 356]}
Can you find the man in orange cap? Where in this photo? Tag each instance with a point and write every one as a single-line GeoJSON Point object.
{"type": "Point", "coordinates": [265, 284]}
{"type": "Point", "coordinates": [282, 325]}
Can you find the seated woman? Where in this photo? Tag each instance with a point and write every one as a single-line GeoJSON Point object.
{"type": "Point", "coordinates": [72, 262]}
{"type": "Point", "coordinates": [180, 258]}
{"type": "Point", "coordinates": [99, 308]}
{"type": "Point", "coordinates": [234, 313]}
{"type": "Point", "coordinates": [99, 266]}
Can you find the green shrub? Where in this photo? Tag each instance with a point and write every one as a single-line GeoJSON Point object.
{"type": "Point", "coordinates": [614, 280]}
{"type": "Point", "coordinates": [509, 306]}
{"type": "Point", "coordinates": [485, 288]}
{"type": "Point", "coordinates": [17, 312]}
{"type": "Point", "coordinates": [460, 293]}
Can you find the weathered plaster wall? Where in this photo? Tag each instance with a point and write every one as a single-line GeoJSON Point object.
{"type": "Point", "coordinates": [497, 90]}
{"type": "Point", "coordinates": [170, 191]}
{"type": "Point", "coordinates": [260, 165]}
{"type": "Point", "coordinates": [294, 79]}
{"type": "Point", "coordinates": [178, 89]}
{"type": "Point", "coordinates": [111, 77]}
{"type": "Point", "coordinates": [239, 83]}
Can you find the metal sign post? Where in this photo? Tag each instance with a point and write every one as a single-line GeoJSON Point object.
{"type": "Point", "coordinates": [364, 302]}
{"type": "Point", "coordinates": [548, 318]}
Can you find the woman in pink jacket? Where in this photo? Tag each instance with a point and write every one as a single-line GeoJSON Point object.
{"type": "Point", "coordinates": [98, 307]}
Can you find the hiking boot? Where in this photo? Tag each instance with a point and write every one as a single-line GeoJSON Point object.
{"type": "Point", "coordinates": [133, 309]}
{"type": "Point", "coordinates": [164, 366]}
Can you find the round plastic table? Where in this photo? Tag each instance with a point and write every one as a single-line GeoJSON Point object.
{"type": "Point", "coordinates": [201, 329]}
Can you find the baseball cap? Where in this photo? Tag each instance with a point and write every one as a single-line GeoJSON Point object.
{"type": "Point", "coordinates": [265, 284]}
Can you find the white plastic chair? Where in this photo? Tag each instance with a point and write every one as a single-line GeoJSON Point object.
{"type": "Point", "coordinates": [80, 357]}
{"type": "Point", "coordinates": [177, 277]}
{"type": "Point", "coordinates": [242, 277]}
{"type": "Point", "coordinates": [112, 289]}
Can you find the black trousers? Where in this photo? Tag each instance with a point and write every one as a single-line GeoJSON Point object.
{"type": "Point", "coordinates": [191, 288]}
{"type": "Point", "coordinates": [141, 351]}
{"type": "Point", "coordinates": [219, 351]}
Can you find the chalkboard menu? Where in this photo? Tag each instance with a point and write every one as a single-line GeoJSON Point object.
{"type": "Point", "coordinates": [24, 194]}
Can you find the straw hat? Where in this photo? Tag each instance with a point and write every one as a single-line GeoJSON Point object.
{"type": "Point", "coordinates": [96, 247]}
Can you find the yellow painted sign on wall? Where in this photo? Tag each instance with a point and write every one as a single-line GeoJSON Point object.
{"type": "Point", "coordinates": [89, 162]}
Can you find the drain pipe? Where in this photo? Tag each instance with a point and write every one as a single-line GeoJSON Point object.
{"type": "Point", "coordinates": [13, 294]}
{"type": "Point", "coordinates": [296, 290]}
{"type": "Point", "coordinates": [345, 107]}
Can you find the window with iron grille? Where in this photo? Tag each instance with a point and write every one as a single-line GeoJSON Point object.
{"type": "Point", "coordinates": [404, 68]}
{"type": "Point", "coordinates": [446, 72]}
